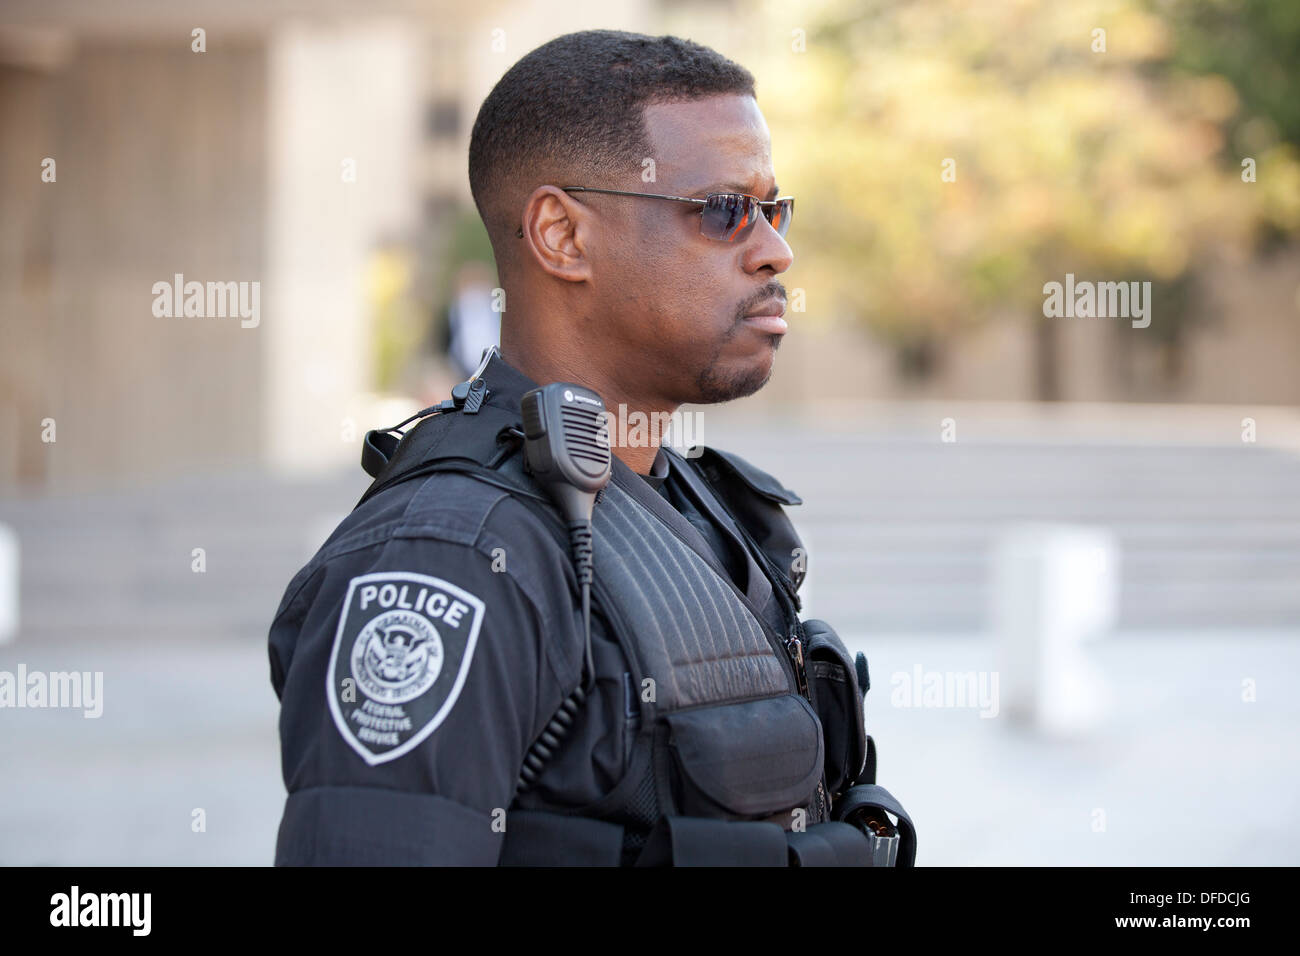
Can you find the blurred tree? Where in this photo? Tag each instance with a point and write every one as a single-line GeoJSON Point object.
{"type": "Point", "coordinates": [467, 241]}
{"type": "Point", "coordinates": [408, 287]}
{"type": "Point", "coordinates": [953, 157]}
{"type": "Point", "coordinates": [1255, 44]}
{"type": "Point", "coordinates": [388, 281]}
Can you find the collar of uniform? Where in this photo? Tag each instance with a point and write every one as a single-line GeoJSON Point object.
{"type": "Point", "coordinates": [506, 382]}
{"type": "Point", "coordinates": [658, 471]}
{"type": "Point", "coordinates": [757, 586]}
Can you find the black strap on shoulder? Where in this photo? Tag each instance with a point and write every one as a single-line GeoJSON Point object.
{"type": "Point", "coordinates": [381, 444]}
{"type": "Point", "coordinates": [480, 460]}
{"type": "Point", "coordinates": [480, 441]}
{"type": "Point", "coordinates": [486, 438]}
{"type": "Point", "coordinates": [377, 450]}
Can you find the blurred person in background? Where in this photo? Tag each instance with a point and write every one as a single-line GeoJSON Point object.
{"type": "Point", "coordinates": [473, 321]}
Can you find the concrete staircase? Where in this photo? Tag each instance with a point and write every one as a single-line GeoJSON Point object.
{"type": "Point", "coordinates": [899, 530]}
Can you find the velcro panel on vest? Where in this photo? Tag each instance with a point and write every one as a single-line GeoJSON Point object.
{"type": "Point", "coordinates": [539, 838]}
{"type": "Point", "coordinates": [697, 639]}
{"type": "Point", "coordinates": [687, 841]}
{"type": "Point", "coordinates": [753, 758]}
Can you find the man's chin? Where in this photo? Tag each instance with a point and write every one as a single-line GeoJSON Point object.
{"type": "Point", "coordinates": [719, 383]}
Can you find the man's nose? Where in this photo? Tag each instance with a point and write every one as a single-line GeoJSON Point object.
{"type": "Point", "coordinates": [765, 247]}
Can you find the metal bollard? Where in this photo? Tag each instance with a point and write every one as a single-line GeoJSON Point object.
{"type": "Point", "coordinates": [8, 584]}
{"type": "Point", "coordinates": [1054, 587]}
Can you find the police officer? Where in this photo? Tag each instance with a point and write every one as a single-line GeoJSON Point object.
{"type": "Point", "coordinates": [444, 698]}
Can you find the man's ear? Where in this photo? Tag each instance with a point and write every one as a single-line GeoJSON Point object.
{"type": "Point", "coordinates": [555, 231]}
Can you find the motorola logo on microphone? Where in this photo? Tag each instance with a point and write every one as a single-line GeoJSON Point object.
{"type": "Point", "coordinates": [569, 396]}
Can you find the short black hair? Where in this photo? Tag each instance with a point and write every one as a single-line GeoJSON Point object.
{"type": "Point", "coordinates": [572, 109]}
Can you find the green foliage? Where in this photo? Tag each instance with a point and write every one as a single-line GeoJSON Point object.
{"type": "Point", "coordinates": [468, 242]}
{"type": "Point", "coordinates": [1255, 45]}
{"type": "Point", "coordinates": [1113, 164]}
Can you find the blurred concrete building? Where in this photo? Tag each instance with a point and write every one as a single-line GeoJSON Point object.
{"type": "Point", "coordinates": [275, 143]}
{"type": "Point", "coordinates": [279, 143]}
{"type": "Point", "coordinates": [222, 156]}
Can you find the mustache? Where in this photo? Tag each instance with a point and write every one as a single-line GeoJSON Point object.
{"type": "Point", "coordinates": [772, 290]}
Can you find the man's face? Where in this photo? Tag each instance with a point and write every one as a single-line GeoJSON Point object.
{"type": "Point", "coordinates": [680, 298]}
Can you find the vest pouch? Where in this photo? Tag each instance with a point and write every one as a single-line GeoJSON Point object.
{"type": "Point", "coordinates": [839, 700]}
{"type": "Point", "coordinates": [747, 760]}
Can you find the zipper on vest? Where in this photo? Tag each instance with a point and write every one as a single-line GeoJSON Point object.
{"type": "Point", "coordinates": [794, 647]}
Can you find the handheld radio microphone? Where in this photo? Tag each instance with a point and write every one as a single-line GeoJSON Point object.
{"type": "Point", "coordinates": [566, 449]}
{"type": "Point", "coordinates": [566, 446]}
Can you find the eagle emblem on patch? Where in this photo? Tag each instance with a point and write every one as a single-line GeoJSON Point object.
{"type": "Point", "coordinates": [400, 658]}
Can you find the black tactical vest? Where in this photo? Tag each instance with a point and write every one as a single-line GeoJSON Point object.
{"type": "Point", "coordinates": [728, 729]}
{"type": "Point", "coordinates": [725, 733]}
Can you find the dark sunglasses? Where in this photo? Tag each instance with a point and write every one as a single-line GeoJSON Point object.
{"type": "Point", "coordinates": [727, 217]}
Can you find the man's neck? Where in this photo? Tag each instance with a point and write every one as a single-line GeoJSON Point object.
{"type": "Point", "coordinates": [543, 368]}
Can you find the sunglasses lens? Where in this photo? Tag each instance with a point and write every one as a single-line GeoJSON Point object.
{"type": "Point", "coordinates": [779, 215]}
{"type": "Point", "coordinates": [729, 217]}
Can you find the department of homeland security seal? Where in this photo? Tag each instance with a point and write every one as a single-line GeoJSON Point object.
{"type": "Point", "coordinates": [400, 657]}
{"type": "Point", "coordinates": [397, 657]}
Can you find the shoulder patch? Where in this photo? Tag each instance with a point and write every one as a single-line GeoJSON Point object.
{"type": "Point", "coordinates": [400, 658]}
